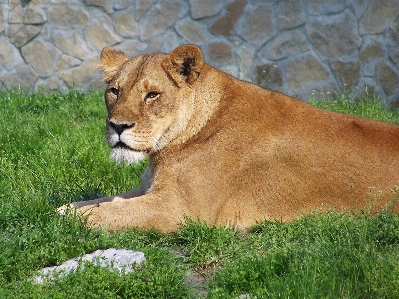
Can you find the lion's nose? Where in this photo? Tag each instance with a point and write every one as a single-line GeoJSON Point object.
{"type": "Point", "coordinates": [119, 127]}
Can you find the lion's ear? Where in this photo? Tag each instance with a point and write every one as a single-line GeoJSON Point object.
{"type": "Point", "coordinates": [111, 61]}
{"type": "Point", "coordinates": [184, 64]}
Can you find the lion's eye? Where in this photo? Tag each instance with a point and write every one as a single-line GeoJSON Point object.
{"type": "Point", "coordinates": [114, 91]}
{"type": "Point", "coordinates": [151, 95]}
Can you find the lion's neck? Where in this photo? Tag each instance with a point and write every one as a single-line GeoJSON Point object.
{"type": "Point", "coordinates": [206, 99]}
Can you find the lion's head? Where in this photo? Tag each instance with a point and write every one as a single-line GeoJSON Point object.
{"type": "Point", "coordinates": [149, 99]}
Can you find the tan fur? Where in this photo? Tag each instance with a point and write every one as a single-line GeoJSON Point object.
{"type": "Point", "coordinates": [230, 152]}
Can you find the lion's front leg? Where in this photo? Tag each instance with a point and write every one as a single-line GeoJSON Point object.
{"type": "Point", "coordinates": [147, 211]}
{"type": "Point", "coordinates": [87, 203]}
{"type": "Point", "coordinates": [144, 187]}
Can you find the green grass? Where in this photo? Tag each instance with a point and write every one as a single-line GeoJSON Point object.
{"type": "Point", "coordinates": [52, 151]}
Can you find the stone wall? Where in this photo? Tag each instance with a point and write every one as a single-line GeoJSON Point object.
{"type": "Point", "coordinates": [294, 46]}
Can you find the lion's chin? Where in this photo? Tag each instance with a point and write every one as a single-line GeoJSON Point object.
{"type": "Point", "coordinates": [127, 156]}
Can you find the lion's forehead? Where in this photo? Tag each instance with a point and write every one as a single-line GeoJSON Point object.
{"type": "Point", "coordinates": [141, 71]}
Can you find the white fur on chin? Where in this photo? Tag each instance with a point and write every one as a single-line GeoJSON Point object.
{"type": "Point", "coordinates": [122, 155]}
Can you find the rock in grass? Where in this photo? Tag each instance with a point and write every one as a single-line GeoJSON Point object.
{"type": "Point", "coordinates": [121, 259]}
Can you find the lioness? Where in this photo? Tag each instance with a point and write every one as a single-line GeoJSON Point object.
{"type": "Point", "coordinates": [230, 152]}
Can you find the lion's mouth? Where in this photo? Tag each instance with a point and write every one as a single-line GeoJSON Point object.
{"type": "Point", "coordinates": [123, 146]}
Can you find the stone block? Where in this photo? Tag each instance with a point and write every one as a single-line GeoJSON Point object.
{"type": "Point", "coordinates": [51, 84]}
{"type": "Point", "coordinates": [68, 16]}
{"type": "Point", "coordinates": [269, 76]}
{"type": "Point", "coordinates": [392, 42]}
{"type": "Point", "coordinates": [394, 55]}
{"type": "Point", "coordinates": [225, 25]}
{"type": "Point", "coordinates": [368, 68]}
{"type": "Point", "coordinates": [387, 76]}
{"type": "Point", "coordinates": [220, 54]}
{"type": "Point", "coordinates": [346, 73]}
{"type": "Point", "coordinates": [9, 54]}
{"type": "Point", "coordinates": [125, 25]}
{"type": "Point", "coordinates": [193, 32]}
{"type": "Point", "coordinates": [165, 42]}
{"type": "Point", "coordinates": [67, 62]}
{"type": "Point", "coordinates": [106, 5]}
{"type": "Point", "coordinates": [99, 36]}
{"type": "Point", "coordinates": [142, 6]}
{"type": "Point", "coordinates": [359, 7]}
{"type": "Point", "coordinates": [206, 8]}
{"type": "Point", "coordinates": [83, 75]}
{"type": "Point", "coordinates": [20, 34]}
{"type": "Point", "coordinates": [290, 14]}
{"type": "Point", "coordinates": [256, 25]}
{"type": "Point", "coordinates": [305, 69]}
{"type": "Point", "coordinates": [42, 56]}
{"type": "Point", "coordinates": [16, 15]}
{"type": "Point", "coordinates": [3, 17]}
{"type": "Point", "coordinates": [160, 17]}
{"type": "Point", "coordinates": [287, 44]}
{"type": "Point", "coordinates": [21, 77]}
{"type": "Point", "coordinates": [393, 34]}
{"type": "Point", "coordinates": [34, 15]}
{"type": "Point", "coordinates": [325, 7]}
{"type": "Point", "coordinates": [334, 36]}
{"type": "Point", "coordinates": [132, 48]}
{"type": "Point", "coordinates": [122, 4]}
{"type": "Point", "coordinates": [70, 42]}
{"type": "Point", "coordinates": [378, 15]}
{"type": "Point", "coordinates": [370, 50]}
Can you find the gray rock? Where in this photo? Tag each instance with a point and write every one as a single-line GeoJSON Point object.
{"type": "Point", "coordinates": [82, 76]}
{"type": "Point", "coordinates": [334, 36]}
{"type": "Point", "coordinates": [67, 62]}
{"type": "Point", "coordinates": [100, 36]}
{"type": "Point", "coordinates": [132, 48]}
{"type": "Point", "coordinates": [21, 34]}
{"type": "Point", "coordinates": [256, 26]}
{"type": "Point", "coordinates": [121, 259]}
{"type": "Point", "coordinates": [160, 17]}
{"type": "Point", "coordinates": [122, 4]}
{"type": "Point", "coordinates": [205, 8]}
{"type": "Point", "coordinates": [41, 55]}
{"type": "Point", "coordinates": [305, 69]}
{"type": "Point", "coordinates": [16, 15]}
{"type": "Point", "coordinates": [67, 16]}
{"type": "Point", "coordinates": [225, 25]}
{"type": "Point", "coordinates": [34, 15]}
{"type": "Point", "coordinates": [290, 14]}
{"type": "Point", "coordinates": [387, 76]}
{"type": "Point", "coordinates": [21, 77]}
{"type": "Point", "coordinates": [325, 7]}
{"type": "Point", "coordinates": [165, 41]}
{"type": "Point", "coordinates": [220, 54]}
{"type": "Point", "coordinates": [9, 54]}
{"type": "Point", "coordinates": [71, 43]}
{"type": "Point", "coordinates": [371, 49]}
{"type": "Point", "coordinates": [347, 73]}
{"type": "Point", "coordinates": [287, 44]}
{"type": "Point", "coordinates": [193, 32]}
{"type": "Point", "coordinates": [378, 15]}
{"type": "Point", "coordinates": [125, 25]}
{"type": "Point", "coordinates": [142, 6]}
{"type": "Point", "coordinates": [107, 5]}
{"type": "Point", "coordinates": [3, 17]}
